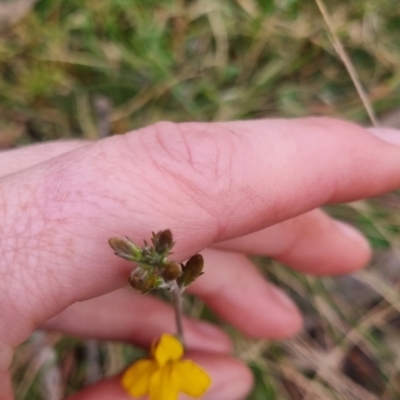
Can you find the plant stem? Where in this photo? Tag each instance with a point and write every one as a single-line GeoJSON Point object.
{"type": "Point", "coordinates": [177, 301]}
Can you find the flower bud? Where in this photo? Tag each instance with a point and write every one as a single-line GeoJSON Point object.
{"type": "Point", "coordinates": [124, 248]}
{"type": "Point", "coordinates": [171, 271]}
{"type": "Point", "coordinates": [163, 241]}
{"type": "Point", "coordinates": [143, 281]}
{"type": "Point", "coordinates": [191, 270]}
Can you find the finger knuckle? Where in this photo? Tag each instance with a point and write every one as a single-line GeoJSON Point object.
{"type": "Point", "coordinates": [198, 156]}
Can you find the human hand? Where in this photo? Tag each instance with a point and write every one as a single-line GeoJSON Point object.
{"type": "Point", "coordinates": [250, 187]}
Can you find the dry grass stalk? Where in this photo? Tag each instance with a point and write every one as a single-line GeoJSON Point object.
{"type": "Point", "coordinates": [337, 44]}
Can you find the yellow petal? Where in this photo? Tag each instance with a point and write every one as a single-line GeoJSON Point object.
{"type": "Point", "coordinates": [169, 348]}
{"type": "Point", "coordinates": [136, 379]}
{"type": "Point", "coordinates": [164, 384]}
{"type": "Point", "coordinates": [193, 380]}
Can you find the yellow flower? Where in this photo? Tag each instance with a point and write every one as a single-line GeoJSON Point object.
{"type": "Point", "coordinates": [165, 375]}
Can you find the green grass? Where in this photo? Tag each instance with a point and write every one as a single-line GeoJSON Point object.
{"type": "Point", "coordinates": [181, 60]}
{"type": "Point", "coordinates": [192, 60]}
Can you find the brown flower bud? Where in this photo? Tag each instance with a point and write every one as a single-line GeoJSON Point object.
{"type": "Point", "coordinates": [162, 241]}
{"type": "Point", "coordinates": [171, 271]}
{"type": "Point", "coordinates": [191, 270]}
{"type": "Point", "coordinates": [137, 282]}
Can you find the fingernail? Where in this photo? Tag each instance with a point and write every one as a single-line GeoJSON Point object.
{"type": "Point", "coordinates": [204, 336]}
{"type": "Point", "coordinates": [389, 135]}
{"type": "Point", "coordinates": [353, 234]}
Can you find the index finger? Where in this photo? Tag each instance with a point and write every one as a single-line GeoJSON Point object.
{"type": "Point", "coordinates": [205, 182]}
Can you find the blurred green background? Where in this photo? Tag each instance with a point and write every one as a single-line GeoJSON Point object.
{"type": "Point", "coordinates": [89, 68]}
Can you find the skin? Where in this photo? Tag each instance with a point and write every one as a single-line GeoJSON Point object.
{"type": "Point", "coordinates": [224, 189]}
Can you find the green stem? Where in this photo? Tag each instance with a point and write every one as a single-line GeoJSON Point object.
{"type": "Point", "coordinates": [177, 301]}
